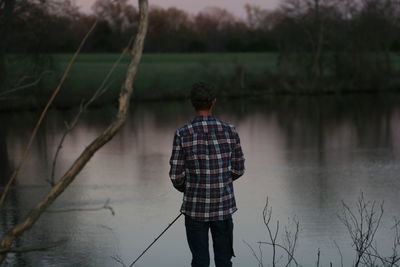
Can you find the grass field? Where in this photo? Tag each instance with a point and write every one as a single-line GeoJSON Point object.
{"type": "Point", "coordinates": [160, 76]}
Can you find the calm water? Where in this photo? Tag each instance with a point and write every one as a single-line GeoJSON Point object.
{"type": "Point", "coordinates": [306, 155]}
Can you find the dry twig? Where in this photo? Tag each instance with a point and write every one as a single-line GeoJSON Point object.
{"type": "Point", "coordinates": [394, 258]}
{"type": "Point", "coordinates": [106, 206]}
{"type": "Point", "coordinates": [267, 213]}
{"type": "Point", "coordinates": [362, 226]}
{"type": "Point", "coordinates": [318, 257]}
{"type": "Point", "coordinates": [118, 259]}
{"type": "Point", "coordinates": [259, 259]}
{"type": "Point", "coordinates": [31, 249]}
{"type": "Point", "coordinates": [25, 86]}
{"type": "Point", "coordinates": [289, 238]}
{"type": "Point", "coordinates": [340, 253]}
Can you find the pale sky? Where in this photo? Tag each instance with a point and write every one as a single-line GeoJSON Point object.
{"type": "Point", "coordinates": [193, 6]}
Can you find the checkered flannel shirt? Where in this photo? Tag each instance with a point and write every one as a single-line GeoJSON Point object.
{"type": "Point", "coordinates": [206, 159]}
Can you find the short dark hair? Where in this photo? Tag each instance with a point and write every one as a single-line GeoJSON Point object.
{"type": "Point", "coordinates": [202, 95]}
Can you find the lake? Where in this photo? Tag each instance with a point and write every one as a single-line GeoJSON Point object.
{"type": "Point", "coordinates": [307, 154]}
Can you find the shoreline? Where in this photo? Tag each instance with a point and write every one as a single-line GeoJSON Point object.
{"type": "Point", "coordinates": [104, 103]}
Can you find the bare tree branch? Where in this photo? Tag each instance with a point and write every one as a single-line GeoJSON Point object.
{"type": "Point", "coordinates": [118, 259]}
{"type": "Point", "coordinates": [261, 252]}
{"type": "Point", "coordinates": [83, 107]}
{"type": "Point", "coordinates": [362, 226]}
{"type": "Point", "coordinates": [31, 249]}
{"type": "Point", "coordinates": [394, 258]}
{"type": "Point", "coordinates": [291, 241]}
{"type": "Point", "coordinates": [43, 115]}
{"type": "Point", "coordinates": [340, 253]}
{"type": "Point", "coordinates": [106, 206]}
{"type": "Point", "coordinates": [259, 260]}
{"type": "Point", "coordinates": [282, 247]}
{"type": "Point", "coordinates": [267, 213]}
{"type": "Point", "coordinates": [69, 128]}
{"type": "Point", "coordinates": [289, 238]}
{"type": "Point", "coordinates": [25, 86]}
{"type": "Point", "coordinates": [91, 149]}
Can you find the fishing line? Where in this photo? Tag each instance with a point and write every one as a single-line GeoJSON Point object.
{"type": "Point", "coordinates": [155, 240]}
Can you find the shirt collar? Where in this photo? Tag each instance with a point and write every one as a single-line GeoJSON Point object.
{"type": "Point", "coordinates": [203, 118]}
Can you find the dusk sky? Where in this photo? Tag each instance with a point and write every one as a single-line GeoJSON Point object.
{"type": "Point", "coordinates": [193, 6]}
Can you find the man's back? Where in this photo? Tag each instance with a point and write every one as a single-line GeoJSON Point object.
{"type": "Point", "coordinates": [206, 159]}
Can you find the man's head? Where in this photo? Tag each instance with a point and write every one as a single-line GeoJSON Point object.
{"type": "Point", "coordinates": [202, 96]}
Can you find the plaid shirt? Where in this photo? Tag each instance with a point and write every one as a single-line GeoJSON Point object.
{"type": "Point", "coordinates": [206, 159]}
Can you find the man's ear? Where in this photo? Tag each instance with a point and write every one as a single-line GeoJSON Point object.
{"type": "Point", "coordinates": [214, 101]}
{"type": "Point", "coordinates": [190, 102]}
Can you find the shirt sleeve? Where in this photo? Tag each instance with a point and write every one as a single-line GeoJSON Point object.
{"type": "Point", "coordinates": [237, 160]}
{"type": "Point", "coordinates": [177, 163]}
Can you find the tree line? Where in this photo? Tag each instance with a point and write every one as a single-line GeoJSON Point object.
{"type": "Point", "coordinates": [320, 43]}
{"type": "Point", "coordinates": [56, 26]}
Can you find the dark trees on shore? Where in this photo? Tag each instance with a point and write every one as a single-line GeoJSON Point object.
{"type": "Point", "coordinates": [346, 44]}
{"type": "Point", "coordinates": [29, 31]}
{"type": "Point", "coordinates": [318, 27]}
{"type": "Point", "coordinates": [322, 45]}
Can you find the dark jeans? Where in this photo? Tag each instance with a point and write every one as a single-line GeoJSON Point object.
{"type": "Point", "coordinates": [222, 236]}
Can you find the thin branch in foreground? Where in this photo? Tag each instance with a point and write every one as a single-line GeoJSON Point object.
{"type": "Point", "coordinates": [340, 253]}
{"type": "Point", "coordinates": [291, 241]}
{"type": "Point", "coordinates": [394, 258]}
{"type": "Point", "coordinates": [43, 115]}
{"type": "Point", "coordinates": [25, 86]}
{"type": "Point", "coordinates": [96, 144]}
{"type": "Point", "coordinates": [362, 226]}
{"type": "Point", "coordinates": [282, 247]}
{"type": "Point", "coordinates": [31, 249]}
{"type": "Point", "coordinates": [68, 129]}
{"type": "Point", "coordinates": [267, 214]}
{"type": "Point", "coordinates": [261, 252]}
{"type": "Point", "coordinates": [318, 257]}
{"type": "Point", "coordinates": [118, 259]}
{"type": "Point", "coordinates": [82, 109]}
{"type": "Point", "coordinates": [259, 260]}
{"type": "Point", "coordinates": [106, 206]}
{"type": "Point", "coordinates": [289, 238]}
{"type": "Point", "coordinates": [396, 223]}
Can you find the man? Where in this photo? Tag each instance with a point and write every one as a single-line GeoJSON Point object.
{"type": "Point", "coordinates": [206, 159]}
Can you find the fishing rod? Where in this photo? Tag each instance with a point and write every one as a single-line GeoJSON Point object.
{"type": "Point", "coordinates": [155, 240]}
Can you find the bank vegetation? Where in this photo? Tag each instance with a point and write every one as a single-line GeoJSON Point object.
{"type": "Point", "coordinates": [317, 47]}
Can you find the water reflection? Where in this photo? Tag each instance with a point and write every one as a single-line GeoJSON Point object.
{"type": "Point", "coordinates": [307, 154]}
